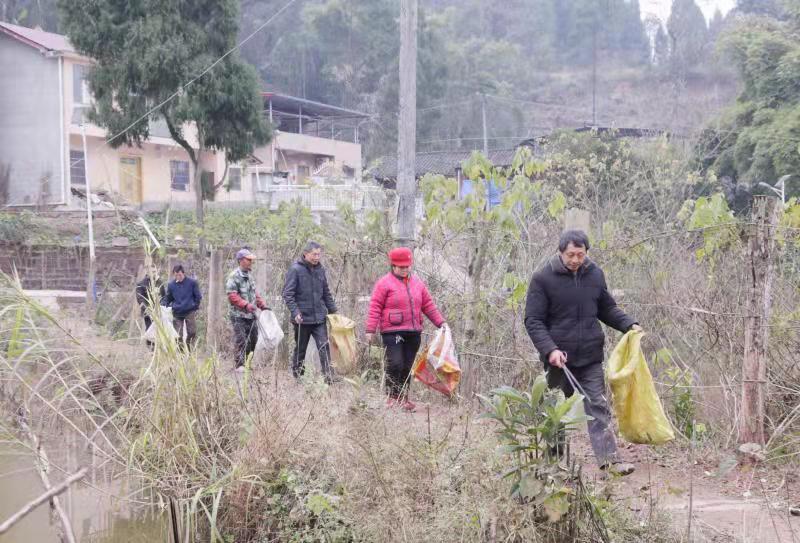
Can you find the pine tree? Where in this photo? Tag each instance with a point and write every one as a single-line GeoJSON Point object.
{"type": "Point", "coordinates": [635, 41]}
{"type": "Point", "coordinates": [715, 25]}
{"type": "Point", "coordinates": [661, 48]}
{"type": "Point", "coordinates": [688, 35]}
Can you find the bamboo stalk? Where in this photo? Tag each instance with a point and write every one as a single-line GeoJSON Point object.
{"type": "Point", "coordinates": [33, 504]}
{"type": "Point", "coordinates": [42, 462]}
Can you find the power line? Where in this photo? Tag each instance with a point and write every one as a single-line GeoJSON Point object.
{"type": "Point", "coordinates": [447, 105]}
{"type": "Point", "coordinates": [204, 72]}
{"type": "Point", "coordinates": [535, 103]}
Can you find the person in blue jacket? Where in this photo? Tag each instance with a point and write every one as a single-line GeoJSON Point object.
{"type": "Point", "coordinates": [183, 296]}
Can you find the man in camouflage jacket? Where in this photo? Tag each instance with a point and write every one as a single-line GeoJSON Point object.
{"type": "Point", "coordinates": [244, 301]}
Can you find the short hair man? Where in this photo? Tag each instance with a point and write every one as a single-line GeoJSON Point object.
{"type": "Point", "coordinates": [183, 296]}
{"type": "Point", "coordinates": [309, 300]}
{"type": "Point", "coordinates": [567, 299]}
{"type": "Point", "coordinates": [244, 300]}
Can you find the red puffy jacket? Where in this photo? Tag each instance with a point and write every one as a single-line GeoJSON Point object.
{"type": "Point", "coordinates": [397, 305]}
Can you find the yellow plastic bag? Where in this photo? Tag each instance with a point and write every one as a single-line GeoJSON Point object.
{"type": "Point", "coordinates": [636, 404]}
{"type": "Point", "coordinates": [342, 338]}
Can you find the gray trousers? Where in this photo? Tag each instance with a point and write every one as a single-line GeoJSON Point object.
{"type": "Point", "coordinates": [593, 381]}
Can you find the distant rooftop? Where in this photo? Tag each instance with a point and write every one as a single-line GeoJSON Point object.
{"type": "Point", "coordinates": [36, 37]}
{"type": "Point", "coordinates": [309, 117]}
{"type": "Point", "coordinates": [309, 109]}
{"type": "Point", "coordinates": [438, 162]}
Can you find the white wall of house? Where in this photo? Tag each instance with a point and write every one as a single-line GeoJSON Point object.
{"type": "Point", "coordinates": [31, 132]}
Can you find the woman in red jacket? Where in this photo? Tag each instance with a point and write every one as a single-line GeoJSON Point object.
{"type": "Point", "coordinates": [398, 301]}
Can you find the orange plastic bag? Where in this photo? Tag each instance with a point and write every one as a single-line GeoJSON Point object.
{"type": "Point", "coordinates": [437, 366]}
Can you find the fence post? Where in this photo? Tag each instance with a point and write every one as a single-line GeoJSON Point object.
{"type": "Point", "coordinates": [578, 219]}
{"type": "Point", "coordinates": [760, 267]}
{"type": "Point", "coordinates": [215, 284]}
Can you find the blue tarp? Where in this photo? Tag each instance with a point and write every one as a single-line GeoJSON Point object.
{"type": "Point", "coordinates": [493, 192]}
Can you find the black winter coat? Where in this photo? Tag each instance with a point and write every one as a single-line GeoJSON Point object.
{"type": "Point", "coordinates": [564, 309]}
{"type": "Point", "coordinates": [306, 292]}
{"type": "Point", "coordinates": [143, 293]}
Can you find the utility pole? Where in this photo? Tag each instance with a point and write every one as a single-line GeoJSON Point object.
{"type": "Point", "coordinates": [594, 69]}
{"type": "Point", "coordinates": [407, 125]}
{"type": "Point", "coordinates": [760, 263]}
{"type": "Point", "coordinates": [90, 284]}
{"type": "Point", "coordinates": [485, 137]}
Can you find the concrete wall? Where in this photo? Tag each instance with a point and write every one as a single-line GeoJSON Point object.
{"type": "Point", "coordinates": [156, 190]}
{"type": "Point", "coordinates": [66, 268]}
{"type": "Point", "coordinates": [31, 131]}
{"type": "Point", "coordinates": [344, 153]}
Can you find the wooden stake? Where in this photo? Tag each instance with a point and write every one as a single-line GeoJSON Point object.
{"type": "Point", "coordinates": [760, 267]}
{"type": "Point", "coordinates": [578, 219]}
{"type": "Point", "coordinates": [215, 286]}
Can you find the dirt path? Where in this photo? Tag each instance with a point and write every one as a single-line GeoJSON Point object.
{"type": "Point", "coordinates": [729, 502]}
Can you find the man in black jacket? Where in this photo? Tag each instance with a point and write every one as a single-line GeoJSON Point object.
{"type": "Point", "coordinates": [145, 297]}
{"type": "Point", "coordinates": [309, 300]}
{"type": "Point", "coordinates": [183, 296]}
{"type": "Point", "coordinates": [567, 299]}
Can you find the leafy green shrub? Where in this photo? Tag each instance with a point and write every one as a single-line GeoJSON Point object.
{"type": "Point", "coordinates": [532, 426]}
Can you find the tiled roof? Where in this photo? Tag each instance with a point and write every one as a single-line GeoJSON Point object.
{"type": "Point", "coordinates": [44, 41]}
{"type": "Point", "coordinates": [438, 162]}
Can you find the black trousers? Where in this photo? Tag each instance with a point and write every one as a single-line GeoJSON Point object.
{"type": "Point", "coordinates": [401, 350]}
{"type": "Point", "coordinates": [190, 322]}
{"type": "Point", "coordinates": [302, 334]}
{"type": "Point", "coordinates": [592, 379]}
{"type": "Point", "coordinates": [245, 336]}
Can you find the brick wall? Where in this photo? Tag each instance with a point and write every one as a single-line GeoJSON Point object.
{"type": "Point", "coordinates": [67, 268]}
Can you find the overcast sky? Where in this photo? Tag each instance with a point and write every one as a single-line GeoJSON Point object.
{"type": "Point", "coordinates": [660, 8]}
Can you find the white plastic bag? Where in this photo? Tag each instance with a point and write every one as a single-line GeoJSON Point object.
{"type": "Point", "coordinates": [166, 320]}
{"type": "Point", "coordinates": [270, 333]}
{"type": "Point", "coordinates": [442, 349]}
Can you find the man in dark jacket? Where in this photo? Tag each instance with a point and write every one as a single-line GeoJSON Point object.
{"type": "Point", "coordinates": [149, 299]}
{"type": "Point", "coordinates": [309, 300]}
{"type": "Point", "coordinates": [144, 297]}
{"type": "Point", "coordinates": [183, 296]}
{"type": "Point", "coordinates": [567, 299]}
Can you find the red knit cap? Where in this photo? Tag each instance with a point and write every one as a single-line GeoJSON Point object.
{"type": "Point", "coordinates": [401, 256]}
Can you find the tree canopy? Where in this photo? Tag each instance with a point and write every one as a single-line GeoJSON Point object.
{"type": "Point", "coordinates": [756, 140]}
{"type": "Point", "coordinates": [147, 50]}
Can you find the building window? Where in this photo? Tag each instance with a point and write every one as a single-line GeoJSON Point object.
{"type": "Point", "coordinates": [80, 91]}
{"type": "Point", "coordinates": [77, 168]}
{"type": "Point", "coordinates": [179, 175]}
{"type": "Point", "coordinates": [234, 179]}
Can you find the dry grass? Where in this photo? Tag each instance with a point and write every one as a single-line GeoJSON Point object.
{"type": "Point", "coordinates": [263, 457]}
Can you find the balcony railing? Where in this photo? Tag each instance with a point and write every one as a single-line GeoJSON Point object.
{"type": "Point", "coordinates": [323, 197]}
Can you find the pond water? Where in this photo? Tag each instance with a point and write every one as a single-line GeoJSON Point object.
{"type": "Point", "coordinates": [96, 510]}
